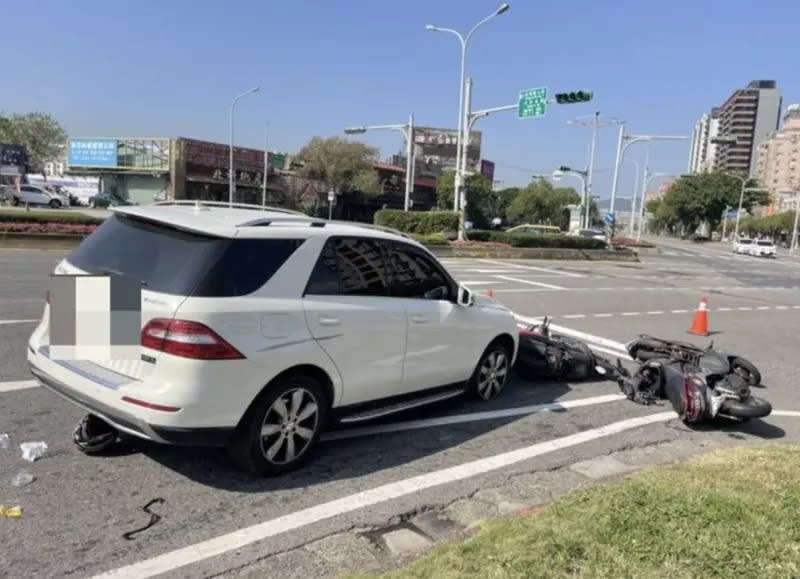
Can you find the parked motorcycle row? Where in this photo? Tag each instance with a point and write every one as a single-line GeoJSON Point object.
{"type": "Point", "coordinates": [701, 384]}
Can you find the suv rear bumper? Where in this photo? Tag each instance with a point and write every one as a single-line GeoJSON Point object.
{"type": "Point", "coordinates": [129, 424]}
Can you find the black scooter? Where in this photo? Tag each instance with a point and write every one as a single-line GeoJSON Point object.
{"type": "Point", "coordinates": [543, 354]}
{"type": "Point", "coordinates": [700, 383]}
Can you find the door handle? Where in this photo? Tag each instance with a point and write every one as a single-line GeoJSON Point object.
{"type": "Point", "coordinates": [327, 321]}
{"type": "Point", "coordinates": [419, 319]}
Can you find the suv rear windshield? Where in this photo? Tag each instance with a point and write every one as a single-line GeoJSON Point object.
{"type": "Point", "coordinates": [172, 261]}
{"type": "Point", "coordinates": [765, 242]}
{"type": "Point", "coordinates": [745, 241]}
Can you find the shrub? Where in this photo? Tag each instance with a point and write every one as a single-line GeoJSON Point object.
{"type": "Point", "coordinates": [40, 227]}
{"type": "Point", "coordinates": [420, 222]}
{"type": "Point", "coordinates": [555, 241]}
{"type": "Point", "coordinates": [430, 238]}
{"type": "Point", "coordinates": [48, 217]}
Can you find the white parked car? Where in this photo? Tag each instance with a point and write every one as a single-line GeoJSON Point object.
{"type": "Point", "coordinates": [743, 246]}
{"type": "Point", "coordinates": [764, 248]}
{"type": "Point", "coordinates": [35, 195]}
{"type": "Point", "coordinates": [261, 327]}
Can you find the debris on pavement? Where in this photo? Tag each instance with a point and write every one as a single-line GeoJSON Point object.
{"type": "Point", "coordinates": [4, 440]}
{"type": "Point", "coordinates": [33, 450]}
{"type": "Point", "coordinates": [154, 518]}
{"type": "Point", "coordinates": [10, 512]}
{"type": "Point", "coordinates": [22, 479]}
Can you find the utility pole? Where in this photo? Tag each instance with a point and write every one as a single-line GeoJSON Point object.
{"type": "Point", "coordinates": [266, 167]}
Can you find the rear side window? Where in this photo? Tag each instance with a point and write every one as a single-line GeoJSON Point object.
{"type": "Point", "coordinates": [350, 266]}
{"type": "Point", "coordinates": [171, 261]}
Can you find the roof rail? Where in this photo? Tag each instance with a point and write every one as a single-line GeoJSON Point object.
{"type": "Point", "coordinates": [375, 227]}
{"type": "Point", "coordinates": [262, 222]}
{"type": "Point", "coordinates": [194, 202]}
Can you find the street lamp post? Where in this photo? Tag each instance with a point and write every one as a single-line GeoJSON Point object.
{"type": "Point", "coordinates": [460, 145]}
{"type": "Point", "coordinates": [645, 183]}
{"type": "Point", "coordinates": [584, 177]}
{"type": "Point", "coordinates": [595, 123]}
{"type": "Point", "coordinates": [793, 245]}
{"type": "Point", "coordinates": [623, 142]}
{"type": "Point", "coordinates": [231, 172]}
{"type": "Point", "coordinates": [407, 130]}
{"type": "Point", "coordinates": [266, 167]}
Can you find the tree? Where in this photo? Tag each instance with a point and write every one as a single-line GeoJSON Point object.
{"type": "Point", "coordinates": [339, 163]}
{"type": "Point", "coordinates": [540, 202]}
{"type": "Point", "coordinates": [479, 197]}
{"type": "Point", "coordinates": [702, 198]}
{"type": "Point", "coordinates": [41, 134]}
{"type": "Point", "coordinates": [367, 182]}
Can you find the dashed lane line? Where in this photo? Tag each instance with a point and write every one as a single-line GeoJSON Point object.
{"type": "Point", "coordinates": [677, 311]}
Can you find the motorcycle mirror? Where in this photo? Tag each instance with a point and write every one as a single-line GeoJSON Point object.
{"type": "Point", "coordinates": [600, 370]}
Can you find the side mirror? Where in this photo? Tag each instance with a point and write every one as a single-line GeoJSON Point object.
{"type": "Point", "coordinates": [465, 297]}
{"type": "Point", "coordinates": [437, 293]}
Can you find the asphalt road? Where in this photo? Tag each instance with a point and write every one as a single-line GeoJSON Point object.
{"type": "Point", "coordinates": [78, 508]}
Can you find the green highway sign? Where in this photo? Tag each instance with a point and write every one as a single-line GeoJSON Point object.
{"type": "Point", "coordinates": [532, 103]}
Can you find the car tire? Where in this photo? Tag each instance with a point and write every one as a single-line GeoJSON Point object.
{"type": "Point", "coordinates": [275, 437]}
{"type": "Point", "coordinates": [15, 201]}
{"type": "Point", "coordinates": [491, 373]}
{"type": "Point", "coordinates": [55, 204]}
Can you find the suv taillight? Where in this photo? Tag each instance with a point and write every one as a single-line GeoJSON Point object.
{"type": "Point", "coordinates": [188, 340]}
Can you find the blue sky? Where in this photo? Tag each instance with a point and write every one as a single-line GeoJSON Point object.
{"type": "Point", "coordinates": [171, 68]}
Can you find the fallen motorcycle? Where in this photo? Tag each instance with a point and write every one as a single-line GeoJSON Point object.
{"type": "Point", "coordinates": [715, 365]}
{"type": "Point", "coordinates": [699, 383]}
{"type": "Point", "coordinates": [543, 354]}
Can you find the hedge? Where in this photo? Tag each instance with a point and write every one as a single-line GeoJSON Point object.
{"type": "Point", "coordinates": [420, 222]}
{"type": "Point", "coordinates": [528, 240]}
{"type": "Point", "coordinates": [49, 217]}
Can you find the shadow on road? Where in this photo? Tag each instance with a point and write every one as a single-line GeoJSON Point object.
{"type": "Point", "coordinates": [353, 458]}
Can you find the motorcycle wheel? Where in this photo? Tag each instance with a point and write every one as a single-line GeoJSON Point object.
{"type": "Point", "coordinates": [746, 370]}
{"type": "Point", "coordinates": [751, 408]}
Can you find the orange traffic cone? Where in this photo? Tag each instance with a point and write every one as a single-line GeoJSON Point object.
{"type": "Point", "coordinates": [700, 322]}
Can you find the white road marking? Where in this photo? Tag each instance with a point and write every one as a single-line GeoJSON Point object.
{"type": "Point", "coordinates": [763, 308]}
{"type": "Point", "coordinates": [680, 311]}
{"type": "Point", "coordinates": [744, 309]}
{"type": "Point", "coordinates": [603, 315]}
{"type": "Point", "coordinates": [630, 313]}
{"type": "Point", "coordinates": [655, 312]}
{"type": "Point", "coordinates": [481, 282]}
{"type": "Point", "coordinates": [490, 270]}
{"type": "Point", "coordinates": [529, 282]}
{"type": "Point", "coordinates": [573, 316]}
{"type": "Point", "coordinates": [236, 540]}
{"type": "Point", "coordinates": [17, 385]}
{"type": "Point", "coordinates": [724, 309]}
{"type": "Point", "coordinates": [471, 417]}
{"type": "Point", "coordinates": [9, 322]}
{"type": "Point", "coordinates": [531, 268]}
{"type": "Point", "coordinates": [794, 413]}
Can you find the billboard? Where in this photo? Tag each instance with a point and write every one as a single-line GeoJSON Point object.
{"type": "Point", "coordinates": [487, 169]}
{"type": "Point", "coordinates": [92, 153]}
{"type": "Point", "coordinates": [436, 148]}
{"type": "Point", "coordinates": [13, 155]}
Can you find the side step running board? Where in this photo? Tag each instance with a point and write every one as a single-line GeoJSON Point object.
{"type": "Point", "coordinates": [400, 406]}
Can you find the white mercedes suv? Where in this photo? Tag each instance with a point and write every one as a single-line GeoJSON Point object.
{"type": "Point", "coordinates": [261, 326]}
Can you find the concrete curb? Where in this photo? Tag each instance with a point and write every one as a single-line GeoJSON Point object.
{"type": "Point", "coordinates": [534, 253]}
{"type": "Point", "coordinates": [14, 240]}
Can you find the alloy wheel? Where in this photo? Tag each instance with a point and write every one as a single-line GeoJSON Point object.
{"type": "Point", "coordinates": [289, 426]}
{"type": "Point", "coordinates": [492, 374]}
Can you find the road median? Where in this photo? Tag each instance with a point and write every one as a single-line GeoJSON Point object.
{"type": "Point", "coordinates": [44, 241]}
{"type": "Point", "coordinates": [444, 251]}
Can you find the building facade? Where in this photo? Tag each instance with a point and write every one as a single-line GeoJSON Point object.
{"type": "Point", "coordinates": [703, 148]}
{"type": "Point", "coordinates": [778, 159]}
{"type": "Point", "coordinates": [749, 116]}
